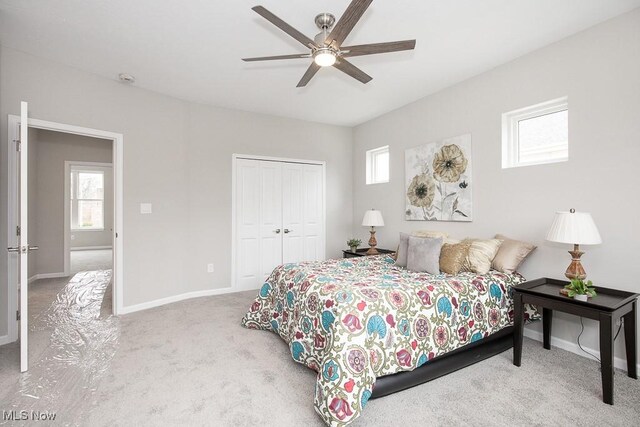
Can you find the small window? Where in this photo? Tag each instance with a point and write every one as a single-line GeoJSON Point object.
{"type": "Point", "coordinates": [536, 135]}
{"type": "Point", "coordinates": [378, 165]}
{"type": "Point", "coordinates": [87, 199]}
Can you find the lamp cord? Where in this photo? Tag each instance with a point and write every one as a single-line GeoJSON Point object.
{"type": "Point", "coordinates": [582, 330]}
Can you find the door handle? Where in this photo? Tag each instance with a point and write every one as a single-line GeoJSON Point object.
{"type": "Point", "coordinates": [287, 231]}
{"type": "Point", "coordinates": [34, 248]}
{"type": "Point", "coordinates": [14, 249]}
{"type": "Point", "coordinates": [277, 231]}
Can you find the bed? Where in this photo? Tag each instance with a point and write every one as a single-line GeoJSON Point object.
{"type": "Point", "coordinates": [361, 320]}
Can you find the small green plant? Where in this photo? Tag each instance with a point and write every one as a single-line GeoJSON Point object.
{"type": "Point", "coordinates": [354, 243]}
{"type": "Point", "coordinates": [580, 287]}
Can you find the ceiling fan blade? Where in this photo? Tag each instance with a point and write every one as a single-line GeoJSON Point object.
{"type": "Point", "coordinates": [284, 26]}
{"type": "Point", "coordinates": [347, 21]}
{"type": "Point", "coordinates": [350, 69]}
{"type": "Point", "coordinates": [271, 58]}
{"type": "Point", "coordinates": [373, 48]}
{"type": "Point", "coordinates": [311, 71]}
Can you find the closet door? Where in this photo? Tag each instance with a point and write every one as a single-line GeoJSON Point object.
{"type": "Point", "coordinates": [293, 212]}
{"type": "Point", "coordinates": [302, 212]}
{"type": "Point", "coordinates": [258, 221]}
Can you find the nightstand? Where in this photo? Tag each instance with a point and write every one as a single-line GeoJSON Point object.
{"type": "Point", "coordinates": [607, 307]}
{"type": "Point", "coordinates": [347, 253]}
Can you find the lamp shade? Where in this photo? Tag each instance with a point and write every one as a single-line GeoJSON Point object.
{"type": "Point", "coordinates": [373, 218]}
{"type": "Point", "coordinates": [576, 228]}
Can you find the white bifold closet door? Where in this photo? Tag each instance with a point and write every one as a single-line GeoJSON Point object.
{"type": "Point", "coordinates": [279, 217]}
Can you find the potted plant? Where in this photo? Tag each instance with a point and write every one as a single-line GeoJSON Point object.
{"type": "Point", "coordinates": [353, 244]}
{"type": "Point", "coordinates": [580, 290]}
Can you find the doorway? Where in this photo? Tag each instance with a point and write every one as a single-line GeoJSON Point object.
{"type": "Point", "coordinates": [115, 141]}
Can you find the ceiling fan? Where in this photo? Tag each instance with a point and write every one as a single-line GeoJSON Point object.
{"type": "Point", "coordinates": [326, 47]}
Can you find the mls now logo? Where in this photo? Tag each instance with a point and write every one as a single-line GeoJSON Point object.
{"type": "Point", "coordinates": [28, 416]}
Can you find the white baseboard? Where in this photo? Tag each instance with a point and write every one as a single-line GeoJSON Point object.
{"type": "Point", "coordinates": [4, 339]}
{"type": "Point", "coordinates": [46, 276]}
{"type": "Point", "coordinates": [573, 348]}
{"type": "Point", "coordinates": [168, 300]}
{"type": "Point", "coordinates": [90, 248]}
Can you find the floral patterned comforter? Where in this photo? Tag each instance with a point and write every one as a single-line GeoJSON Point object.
{"type": "Point", "coordinates": [353, 320]}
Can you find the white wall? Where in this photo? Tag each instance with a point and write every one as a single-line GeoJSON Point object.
{"type": "Point", "coordinates": [599, 70]}
{"type": "Point", "coordinates": [46, 195]}
{"type": "Point", "coordinates": [177, 155]}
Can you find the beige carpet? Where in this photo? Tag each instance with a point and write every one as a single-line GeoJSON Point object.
{"type": "Point", "coordinates": [191, 363]}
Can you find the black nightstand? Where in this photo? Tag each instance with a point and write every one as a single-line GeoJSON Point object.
{"type": "Point", "coordinates": [363, 252]}
{"type": "Point", "coordinates": [606, 307]}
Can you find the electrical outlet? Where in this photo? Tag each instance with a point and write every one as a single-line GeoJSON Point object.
{"type": "Point", "coordinates": [209, 268]}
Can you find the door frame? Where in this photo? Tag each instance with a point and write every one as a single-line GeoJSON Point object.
{"type": "Point", "coordinates": [118, 206]}
{"type": "Point", "coordinates": [234, 158]}
{"type": "Point", "coordinates": [68, 164]}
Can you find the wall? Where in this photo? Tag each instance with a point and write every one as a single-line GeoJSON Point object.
{"type": "Point", "coordinates": [46, 196]}
{"type": "Point", "coordinates": [599, 71]}
{"type": "Point", "coordinates": [177, 155]}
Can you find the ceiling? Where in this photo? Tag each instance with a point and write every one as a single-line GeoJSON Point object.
{"type": "Point", "coordinates": [191, 49]}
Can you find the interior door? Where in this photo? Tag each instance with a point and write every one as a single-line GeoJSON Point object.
{"type": "Point", "coordinates": [22, 248]}
{"type": "Point", "coordinates": [258, 221]}
{"type": "Point", "coordinates": [303, 212]}
{"type": "Point", "coordinates": [292, 212]}
{"type": "Point", "coordinates": [313, 213]}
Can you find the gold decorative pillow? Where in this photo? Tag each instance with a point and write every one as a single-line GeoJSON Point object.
{"type": "Point", "coordinates": [481, 254]}
{"type": "Point", "coordinates": [453, 256]}
{"type": "Point", "coordinates": [511, 254]}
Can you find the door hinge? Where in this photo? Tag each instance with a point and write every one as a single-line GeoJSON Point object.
{"type": "Point", "coordinates": [18, 144]}
{"type": "Point", "coordinates": [17, 230]}
{"type": "Point", "coordinates": [17, 315]}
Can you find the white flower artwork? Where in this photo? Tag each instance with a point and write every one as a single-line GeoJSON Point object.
{"type": "Point", "coordinates": [438, 180]}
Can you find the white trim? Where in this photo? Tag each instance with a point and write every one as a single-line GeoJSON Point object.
{"type": "Point", "coordinates": [67, 195]}
{"type": "Point", "coordinates": [90, 248]}
{"type": "Point", "coordinates": [574, 348]}
{"type": "Point", "coordinates": [234, 158]}
{"type": "Point", "coordinates": [47, 276]}
{"type": "Point", "coordinates": [4, 339]}
{"type": "Point", "coordinates": [118, 217]}
{"type": "Point", "coordinates": [168, 300]}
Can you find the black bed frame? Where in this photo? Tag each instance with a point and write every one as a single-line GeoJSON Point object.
{"type": "Point", "coordinates": [442, 365]}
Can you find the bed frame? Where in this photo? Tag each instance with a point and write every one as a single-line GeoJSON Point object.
{"type": "Point", "coordinates": [442, 365]}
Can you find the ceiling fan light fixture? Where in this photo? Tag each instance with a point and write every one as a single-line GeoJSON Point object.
{"type": "Point", "coordinates": [325, 57]}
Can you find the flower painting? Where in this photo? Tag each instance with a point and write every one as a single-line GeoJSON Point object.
{"type": "Point", "coordinates": [438, 180]}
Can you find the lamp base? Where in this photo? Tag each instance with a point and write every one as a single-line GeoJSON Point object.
{"type": "Point", "coordinates": [373, 243]}
{"type": "Point", "coordinates": [575, 269]}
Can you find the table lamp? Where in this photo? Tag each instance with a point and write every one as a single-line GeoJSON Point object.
{"type": "Point", "coordinates": [576, 228]}
{"type": "Point", "coordinates": [373, 219]}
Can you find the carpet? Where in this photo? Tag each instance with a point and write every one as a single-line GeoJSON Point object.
{"type": "Point", "coordinates": [191, 363]}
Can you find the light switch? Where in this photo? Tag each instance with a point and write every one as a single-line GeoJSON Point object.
{"type": "Point", "coordinates": [145, 208]}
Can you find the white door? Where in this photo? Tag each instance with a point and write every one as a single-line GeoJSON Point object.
{"type": "Point", "coordinates": [279, 217]}
{"type": "Point", "coordinates": [303, 212]}
{"type": "Point", "coordinates": [258, 221]}
{"type": "Point", "coordinates": [22, 248]}
{"type": "Point", "coordinates": [313, 213]}
{"type": "Point", "coordinates": [292, 212]}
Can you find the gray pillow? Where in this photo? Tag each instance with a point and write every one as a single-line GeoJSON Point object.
{"type": "Point", "coordinates": [403, 250]}
{"type": "Point", "coordinates": [424, 254]}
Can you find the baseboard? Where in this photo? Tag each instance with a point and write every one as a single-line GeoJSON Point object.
{"type": "Point", "coordinates": [573, 348]}
{"type": "Point", "coordinates": [90, 248]}
{"type": "Point", "coordinates": [168, 300]}
{"type": "Point", "coordinates": [46, 276]}
{"type": "Point", "coordinates": [4, 339]}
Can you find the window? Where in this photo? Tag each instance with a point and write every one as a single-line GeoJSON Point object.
{"type": "Point", "coordinates": [536, 135]}
{"type": "Point", "coordinates": [87, 199]}
{"type": "Point", "coordinates": [378, 165]}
